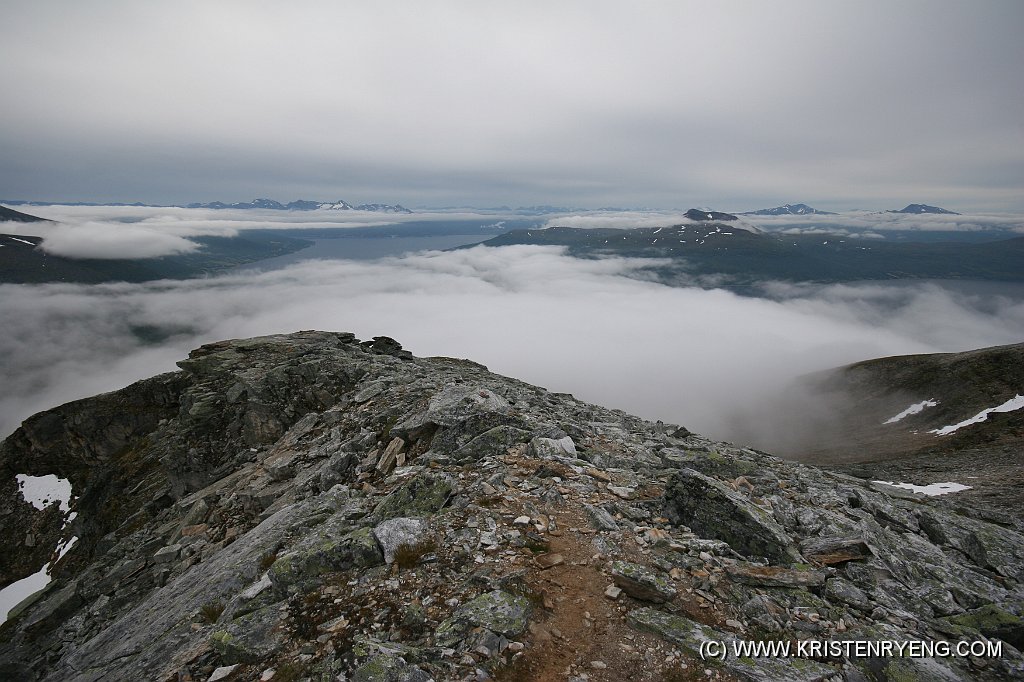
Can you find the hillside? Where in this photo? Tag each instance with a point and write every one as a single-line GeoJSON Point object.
{"type": "Point", "coordinates": [909, 418]}
{"type": "Point", "coordinates": [746, 257]}
{"type": "Point", "coordinates": [309, 506]}
{"type": "Point", "coordinates": [10, 215]}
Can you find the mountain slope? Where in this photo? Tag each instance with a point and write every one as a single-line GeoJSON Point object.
{"type": "Point", "coordinates": [924, 419]}
{"type": "Point", "coordinates": [789, 209]}
{"type": "Point", "coordinates": [925, 208]}
{"type": "Point", "coordinates": [328, 507]}
{"type": "Point", "coordinates": [9, 214]}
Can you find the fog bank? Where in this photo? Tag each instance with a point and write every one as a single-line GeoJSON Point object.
{"type": "Point", "coordinates": [589, 327]}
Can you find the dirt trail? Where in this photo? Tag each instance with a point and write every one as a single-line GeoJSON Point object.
{"type": "Point", "coordinates": [580, 632]}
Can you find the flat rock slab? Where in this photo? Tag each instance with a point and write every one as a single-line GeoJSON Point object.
{"type": "Point", "coordinates": [689, 635]}
{"type": "Point", "coordinates": [775, 576]}
{"type": "Point", "coordinates": [642, 583]}
{"type": "Point", "coordinates": [832, 551]}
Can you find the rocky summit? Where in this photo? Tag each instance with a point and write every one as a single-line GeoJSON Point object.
{"type": "Point", "coordinates": [313, 507]}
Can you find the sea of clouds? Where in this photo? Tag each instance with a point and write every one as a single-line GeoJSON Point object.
{"type": "Point", "coordinates": [708, 359]}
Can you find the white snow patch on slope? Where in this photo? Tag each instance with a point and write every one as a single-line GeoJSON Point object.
{"type": "Point", "coordinates": [42, 491]}
{"type": "Point", "coordinates": [930, 489]}
{"type": "Point", "coordinates": [913, 409]}
{"type": "Point", "coordinates": [1014, 403]}
{"type": "Point", "coordinates": [19, 591]}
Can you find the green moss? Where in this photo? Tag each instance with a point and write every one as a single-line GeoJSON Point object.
{"type": "Point", "coordinates": [987, 619]}
{"type": "Point", "coordinates": [901, 670]}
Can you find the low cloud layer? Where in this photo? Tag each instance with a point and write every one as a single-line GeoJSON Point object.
{"type": "Point", "coordinates": [111, 232]}
{"type": "Point", "coordinates": [105, 240]}
{"type": "Point", "coordinates": [690, 356]}
{"type": "Point", "coordinates": [856, 222]}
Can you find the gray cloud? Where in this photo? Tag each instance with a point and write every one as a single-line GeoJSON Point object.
{"type": "Point", "coordinates": [591, 103]}
{"type": "Point", "coordinates": [690, 356]}
{"type": "Point", "coordinates": [103, 240]}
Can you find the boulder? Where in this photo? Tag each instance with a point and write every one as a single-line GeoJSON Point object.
{"type": "Point", "coordinates": [394, 533]}
{"type": "Point", "coordinates": [642, 583]}
{"type": "Point", "coordinates": [714, 510]}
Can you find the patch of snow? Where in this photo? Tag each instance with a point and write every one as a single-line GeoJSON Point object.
{"type": "Point", "coordinates": [932, 489]}
{"type": "Point", "coordinates": [19, 591]}
{"type": "Point", "coordinates": [42, 491]}
{"type": "Point", "coordinates": [913, 409]}
{"type": "Point", "coordinates": [1014, 403]}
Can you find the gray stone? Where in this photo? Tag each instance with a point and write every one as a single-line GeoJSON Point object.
{"type": "Point", "coordinates": [831, 551]}
{"type": "Point", "coordinates": [843, 591]}
{"type": "Point", "coordinates": [498, 611]}
{"type": "Point", "coordinates": [600, 519]}
{"type": "Point", "coordinates": [712, 509]}
{"type": "Point", "coordinates": [166, 555]}
{"type": "Point", "coordinates": [222, 673]}
{"type": "Point", "coordinates": [491, 442]}
{"type": "Point", "coordinates": [425, 494]}
{"type": "Point", "coordinates": [389, 668]}
{"type": "Point", "coordinates": [690, 636]}
{"type": "Point", "coordinates": [552, 448]}
{"type": "Point", "coordinates": [323, 553]}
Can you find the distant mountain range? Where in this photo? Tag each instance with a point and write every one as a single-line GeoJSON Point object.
{"type": "Point", "coordinates": [789, 209]}
{"type": "Point", "coordinates": [298, 205]}
{"type": "Point", "coordinates": [305, 205]}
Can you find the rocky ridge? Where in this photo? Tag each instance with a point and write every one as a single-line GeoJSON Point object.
{"type": "Point", "coordinates": [309, 506]}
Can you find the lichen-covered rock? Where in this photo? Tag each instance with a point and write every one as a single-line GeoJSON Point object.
{"type": "Point", "coordinates": [385, 668]}
{"type": "Point", "coordinates": [395, 533]}
{"type": "Point", "coordinates": [497, 611]}
{"type": "Point", "coordinates": [323, 553]}
{"type": "Point", "coordinates": [497, 439]}
{"type": "Point", "coordinates": [692, 636]}
{"type": "Point", "coordinates": [250, 638]}
{"type": "Point", "coordinates": [642, 583]}
{"type": "Point", "coordinates": [552, 448]}
{"type": "Point", "coordinates": [425, 494]}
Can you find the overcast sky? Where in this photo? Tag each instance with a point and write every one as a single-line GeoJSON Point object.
{"type": "Point", "coordinates": [736, 105]}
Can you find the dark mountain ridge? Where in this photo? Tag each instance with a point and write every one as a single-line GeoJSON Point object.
{"type": "Point", "coordinates": [9, 214]}
{"type": "Point", "coordinates": [924, 208]}
{"type": "Point", "coordinates": [789, 209]}
{"type": "Point", "coordinates": [746, 257]}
